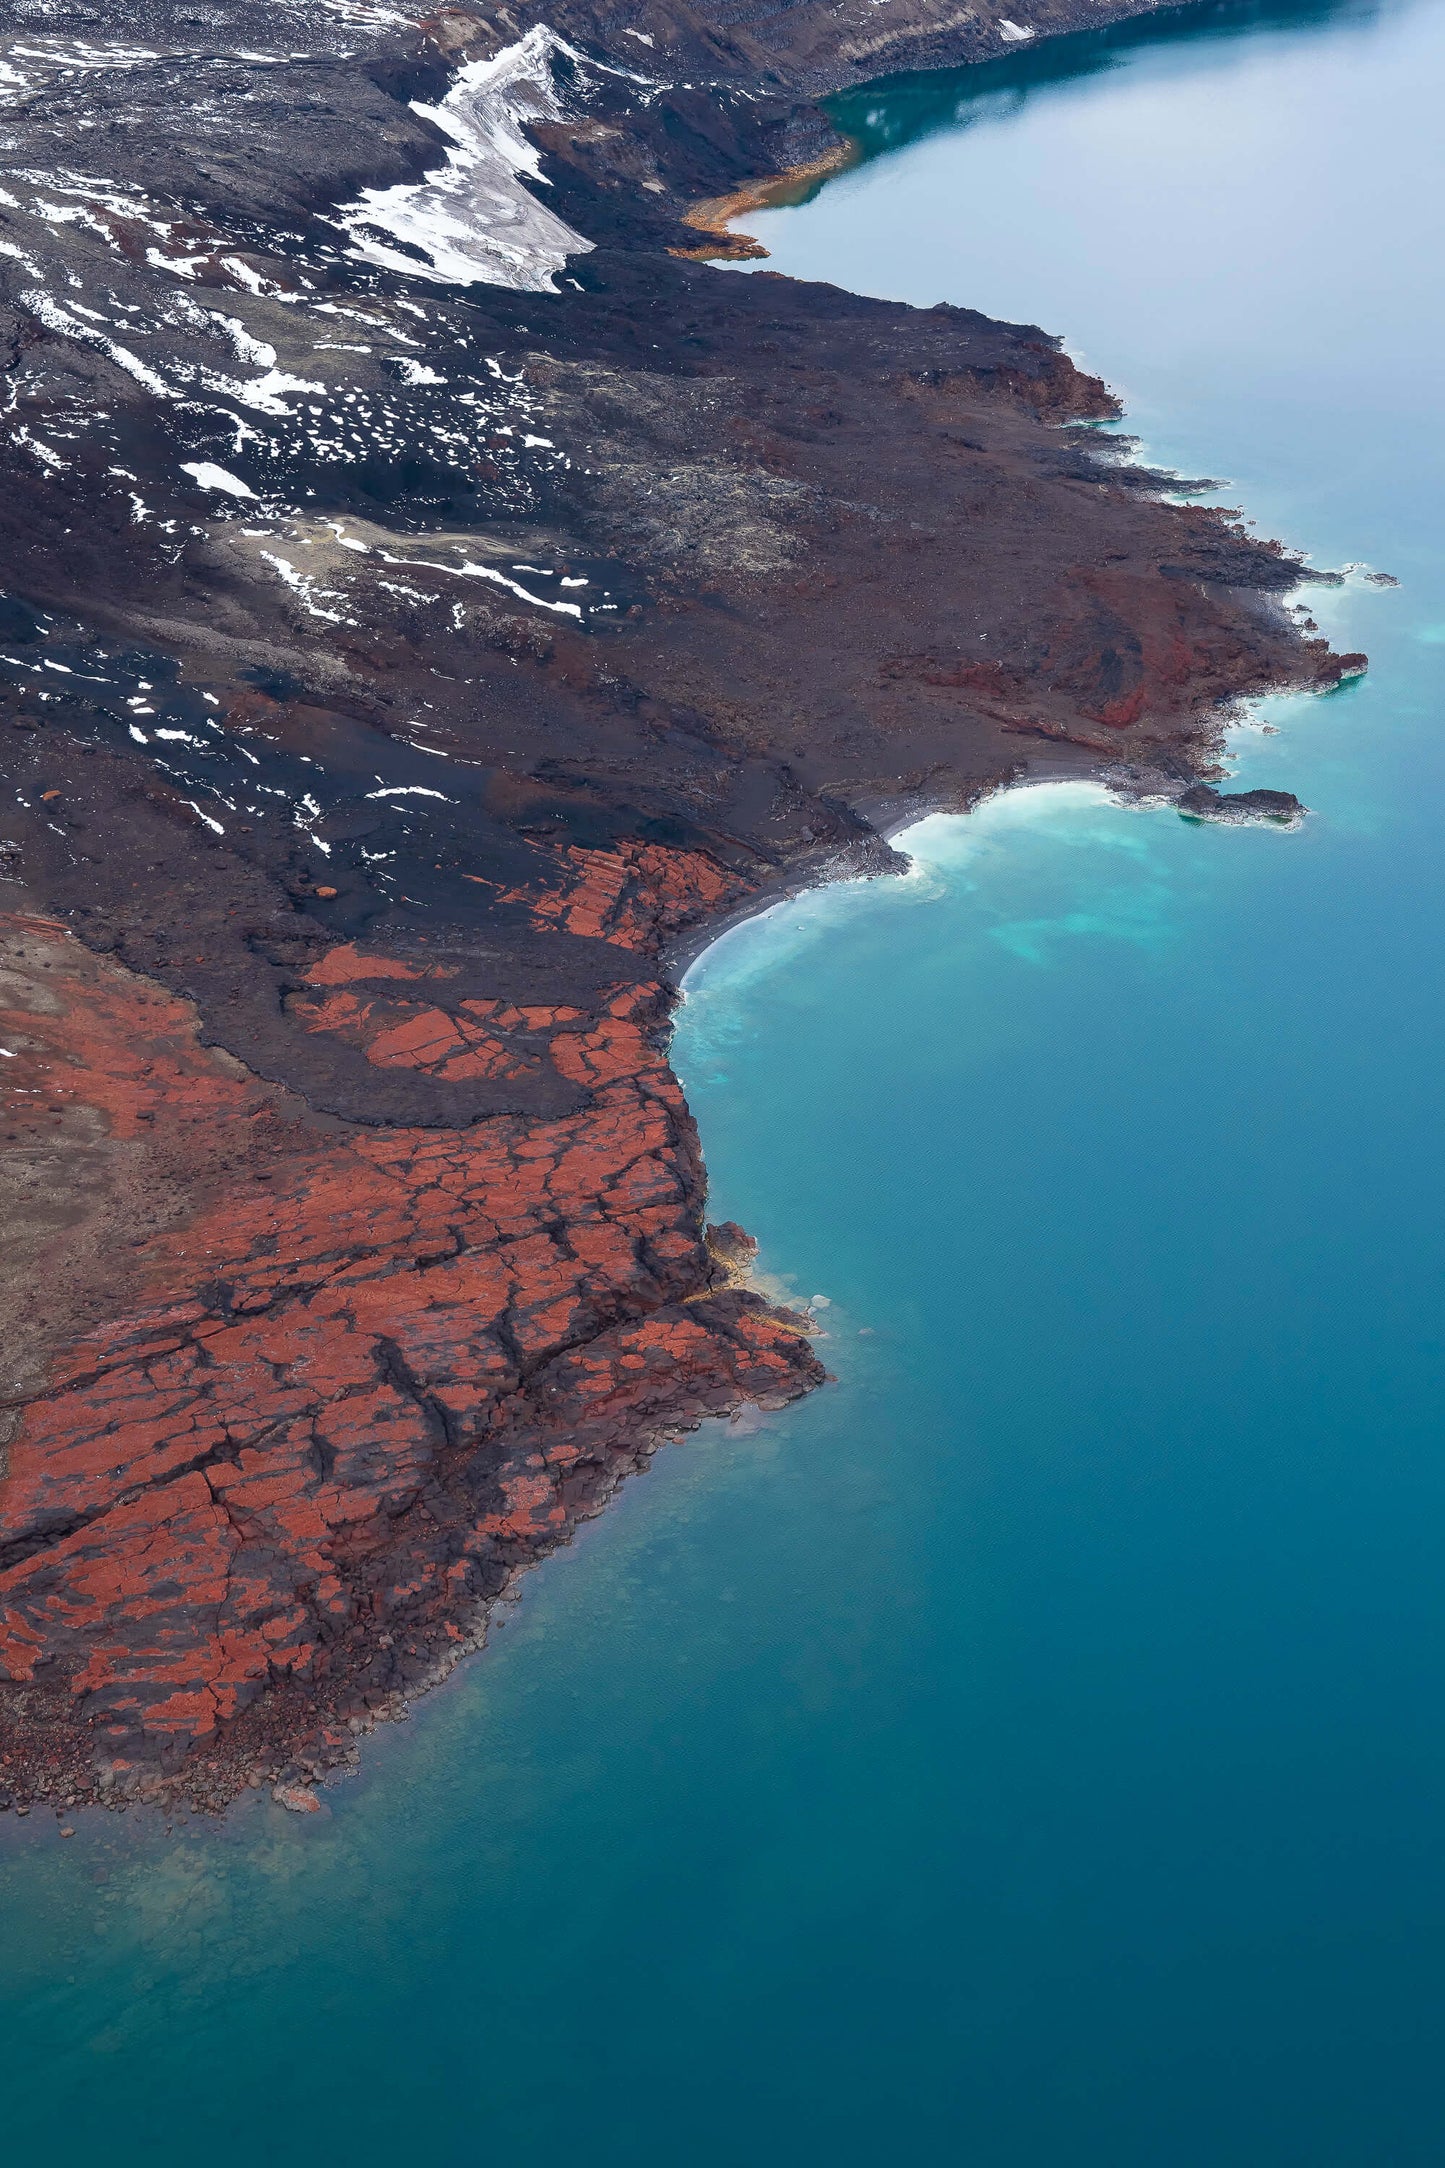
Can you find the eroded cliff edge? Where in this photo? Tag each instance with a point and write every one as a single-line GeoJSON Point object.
{"type": "Point", "coordinates": [396, 669]}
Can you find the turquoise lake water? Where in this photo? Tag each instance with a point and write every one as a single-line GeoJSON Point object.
{"type": "Point", "coordinates": [1029, 1752]}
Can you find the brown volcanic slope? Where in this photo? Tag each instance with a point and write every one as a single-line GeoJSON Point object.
{"type": "Point", "coordinates": [395, 673]}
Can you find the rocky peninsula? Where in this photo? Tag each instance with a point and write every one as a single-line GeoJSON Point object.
{"type": "Point", "coordinates": [432, 597]}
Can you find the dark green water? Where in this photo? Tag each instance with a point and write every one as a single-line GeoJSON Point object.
{"type": "Point", "coordinates": [1032, 1750]}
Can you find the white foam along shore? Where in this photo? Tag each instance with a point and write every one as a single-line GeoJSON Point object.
{"type": "Point", "coordinates": [474, 218]}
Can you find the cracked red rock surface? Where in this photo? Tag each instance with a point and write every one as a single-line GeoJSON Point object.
{"type": "Point", "coordinates": [354, 1393]}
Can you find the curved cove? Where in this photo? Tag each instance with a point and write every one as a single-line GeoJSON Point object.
{"type": "Point", "coordinates": [1030, 1749]}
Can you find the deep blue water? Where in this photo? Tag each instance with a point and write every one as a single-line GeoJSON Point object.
{"type": "Point", "coordinates": [1031, 1750]}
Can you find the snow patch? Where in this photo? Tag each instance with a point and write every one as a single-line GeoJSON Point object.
{"type": "Point", "coordinates": [59, 320]}
{"type": "Point", "coordinates": [475, 218]}
{"type": "Point", "coordinates": [210, 476]}
{"type": "Point", "coordinates": [411, 790]}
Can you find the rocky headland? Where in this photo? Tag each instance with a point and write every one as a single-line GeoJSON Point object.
{"type": "Point", "coordinates": [431, 599]}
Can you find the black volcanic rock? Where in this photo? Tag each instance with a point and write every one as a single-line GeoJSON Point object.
{"type": "Point", "coordinates": [404, 653]}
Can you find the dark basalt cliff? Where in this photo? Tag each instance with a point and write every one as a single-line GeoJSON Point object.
{"type": "Point", "coordinates": [429, 600]}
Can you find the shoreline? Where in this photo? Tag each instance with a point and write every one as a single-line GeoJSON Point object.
{"type": "Point", "coordinates": [358, 1236]}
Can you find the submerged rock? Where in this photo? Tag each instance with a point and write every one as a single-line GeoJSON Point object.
{"type": "Point", "coordinates": [297, 1798]}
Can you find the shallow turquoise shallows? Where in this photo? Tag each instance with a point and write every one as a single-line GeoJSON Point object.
{"type": "Point", "coordinates": [1030, 1752]}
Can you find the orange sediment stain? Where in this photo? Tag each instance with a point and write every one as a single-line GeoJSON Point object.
{"type": "Point", "coordinates": [714, 215]}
